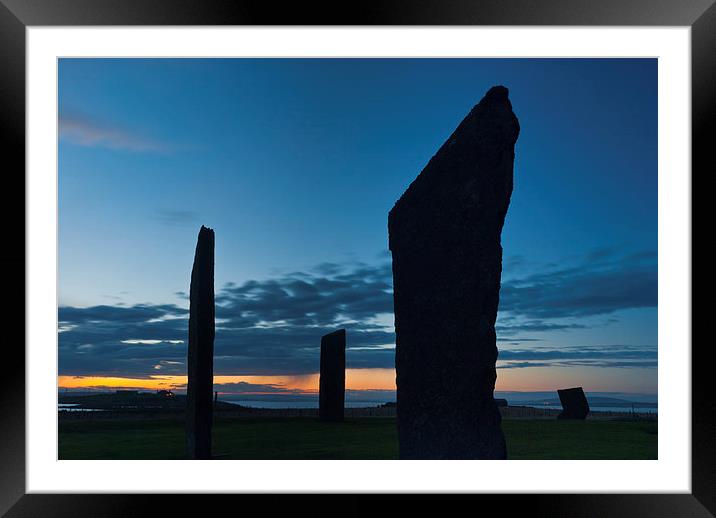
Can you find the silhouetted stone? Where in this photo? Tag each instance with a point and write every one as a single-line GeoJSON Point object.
{"type": "Point", "coordinates": [447, 261]}
{"type": "Point", "coordinates": [332, 382]}
{"type": "Point", "coordinates": [200, 361]}
{"type": "Point", "coordinates": [574, 403]}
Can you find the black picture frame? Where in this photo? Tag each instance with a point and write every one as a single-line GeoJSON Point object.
{"type": "Point", "coordinates": [16, 15]}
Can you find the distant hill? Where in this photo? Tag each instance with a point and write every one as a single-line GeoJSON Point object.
{"type": "Point", "coordinates": [594, 402]}
{"type": "Point", "coordinates": [132, 400]}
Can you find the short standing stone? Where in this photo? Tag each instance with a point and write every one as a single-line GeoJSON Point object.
{"type": "Point", "coordinates": [574, 403]}
{"type": "Point", "coordinates": [200, 361]}
{"type": "Point", "coordinates": [332, 382]}
{"type": "Point", "coordinates": [445, 234]}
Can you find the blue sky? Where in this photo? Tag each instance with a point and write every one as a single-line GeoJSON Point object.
{"type": "Point", "coordinates": [296, 162]}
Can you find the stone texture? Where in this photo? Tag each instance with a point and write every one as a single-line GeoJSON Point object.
{"type": "Point", "coordinates": [200, 361]}
{"type": "Point", "coordinates": [332, 382]}
{"type": "Point", "coordinates": [574, 403]}
{"type": "Point", "coordinates": [444, 234]}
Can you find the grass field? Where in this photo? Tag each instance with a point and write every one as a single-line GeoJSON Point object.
{"type": "Point", "coordinates": [359, 438]}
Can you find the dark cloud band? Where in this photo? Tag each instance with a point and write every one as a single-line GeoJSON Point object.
{"type": "Point", "coordinates": [274, 326]}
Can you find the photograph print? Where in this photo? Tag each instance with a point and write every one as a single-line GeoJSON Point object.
{"type": "Point", "coordinates": [360, 258]}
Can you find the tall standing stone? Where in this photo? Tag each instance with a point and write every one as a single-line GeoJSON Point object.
{"type": "Point", "coordinates": [445, 234]}
{"type": "Point", "coordinates": [200, 362]}
{"type": "Point", "coordinates": [332, 381]}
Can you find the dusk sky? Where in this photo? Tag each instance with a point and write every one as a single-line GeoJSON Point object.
{"type": "Point", "coordinates": [295, 164]}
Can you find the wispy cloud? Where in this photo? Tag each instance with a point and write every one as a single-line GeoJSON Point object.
{"type": "Point", "coordinates": [608, 355]}
{"type": "Point", "coordinates": [175, 217]}
{"type": "Point", "coordinates": [85, 131]}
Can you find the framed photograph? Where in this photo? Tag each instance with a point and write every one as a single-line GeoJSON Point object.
{"type": "Point", "coordinates": [409, 249]}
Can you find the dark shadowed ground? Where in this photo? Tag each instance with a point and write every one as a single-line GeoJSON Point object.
{"type": "Point", "coordinates": [356, 438]}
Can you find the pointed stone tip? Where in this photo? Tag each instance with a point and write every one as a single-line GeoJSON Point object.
{"type": "Point", "coordinates": [497, 93]}
{"type": "Point", "coordinates": [206, 235]}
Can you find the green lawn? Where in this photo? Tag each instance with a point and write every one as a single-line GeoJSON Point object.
{"type": "Point", "coordinates": [359, 438]}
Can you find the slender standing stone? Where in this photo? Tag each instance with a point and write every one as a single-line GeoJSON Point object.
{"type": "Point", "coordinates": [200, 362]}
{"type": "Point", "coordinates": [445, 234]}
{"type": "Point", "coordinates": [332, 381]}
{"type": "Point", "coordinates": [574, 403]}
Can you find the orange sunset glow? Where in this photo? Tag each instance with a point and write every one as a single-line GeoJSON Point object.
{"type": "Point", "coordinates": [356, 379]}
{"type": "Point", "coordinates": [534, 379]}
